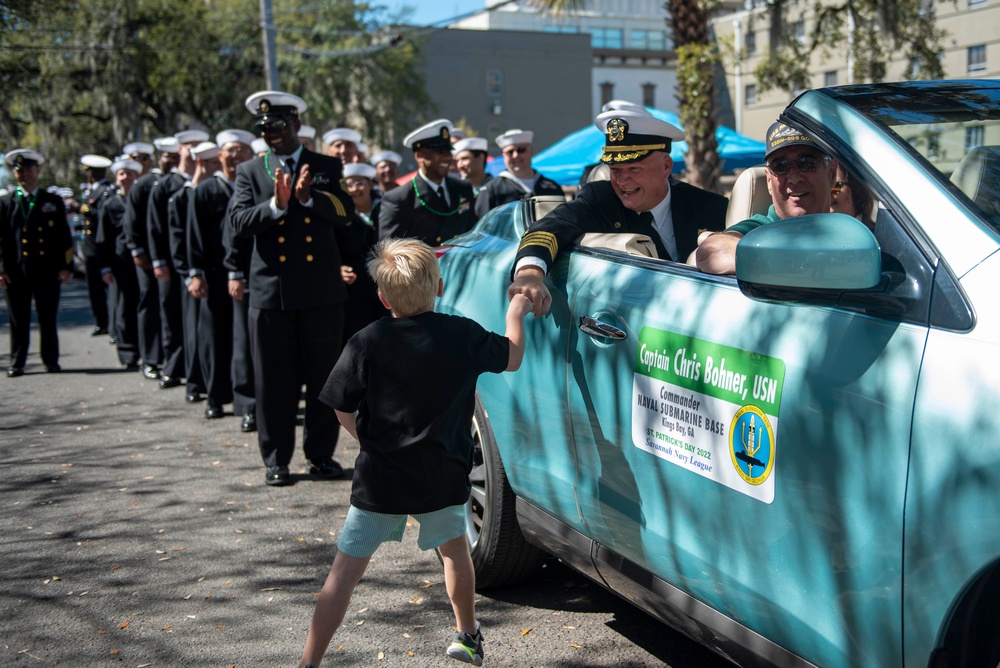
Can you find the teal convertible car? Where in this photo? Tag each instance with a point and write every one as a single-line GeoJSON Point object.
{"type": "Point", "coordinates": [798, 465]}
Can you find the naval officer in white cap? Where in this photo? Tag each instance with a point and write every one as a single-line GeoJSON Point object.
{"type": "Point", "coordinates": [291, 203]}
{"type": "Point", "coordinates": [640, 198]}
{"type": "Point", "coordinates": [95, 167]}
{"type": "Point", "coordinates": [342, 143]}
{"type": "Point", "coordinates": [520, 179]}
{"type": "Point", "coordinates": [432, 207]}
{"type": "Point", "coordinates": [386, 165]}
{"type": "Point", "coordinates": [36, 255]}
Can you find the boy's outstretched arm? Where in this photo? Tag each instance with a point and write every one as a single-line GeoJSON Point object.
{"type": "Point", "coordinates": [349, 421]}
{"type": "Point", "coordinates": [519, 307]}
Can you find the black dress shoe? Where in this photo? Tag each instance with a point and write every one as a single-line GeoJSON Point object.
{"type": "Point", "coordinates": [53, 368]}
{"type": "Point", "coordinates": [194, 397]}
{"type": "Point", "coordinates": [276, 476]}
{"type": "Point", "coordinates": [249, 423]}
{"type": "Point", "coordinates": [166, 382]}
{"type": "Point", "coordinates": [213, 412]}
{"type": "Point", "coordinates": [327, 469]}
{"type": "Point", "coordinates": [131, 366]}
{"type": "Point", "coordinates": [97, 331]}
{"type": "Point", "coordinates": [14, 372]}
{"type": "Point", "coordinates": [150, 371]}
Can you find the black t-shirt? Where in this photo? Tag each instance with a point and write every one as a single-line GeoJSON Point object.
{"type": "Point", "coordinates": [413, 383]}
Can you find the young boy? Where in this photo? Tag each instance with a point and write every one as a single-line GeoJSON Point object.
{"type": "Point", "coordinates": [405, 388]}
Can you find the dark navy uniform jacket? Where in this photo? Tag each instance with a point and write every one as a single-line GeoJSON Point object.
{"type": "Point", "coordinates": [598, 209]}
{"type": "Point", "coordinates": [501, 190]}
{"type": "Point", "coordinates": [296, 257]}
{"type": "Point", "coordinates": [39, 242]}
{"type": "Point", "coordinates": [421, 214]}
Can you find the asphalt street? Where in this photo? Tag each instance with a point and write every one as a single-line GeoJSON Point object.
{"type": "Point", "coordinates": [137, 533]}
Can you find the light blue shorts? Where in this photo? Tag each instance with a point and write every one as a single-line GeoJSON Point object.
{"type": "Point", "coordinates": [365, 530]}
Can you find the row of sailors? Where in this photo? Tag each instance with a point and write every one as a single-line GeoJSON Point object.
{"type": "Point", "coordinates": [157, 250]}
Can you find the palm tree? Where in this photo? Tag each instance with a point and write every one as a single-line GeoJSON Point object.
{"type": "Point", "coordinates": [696, 60]}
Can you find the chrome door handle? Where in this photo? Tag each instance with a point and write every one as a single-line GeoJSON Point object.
{"type": "Point", "coordinates": [601, 329]}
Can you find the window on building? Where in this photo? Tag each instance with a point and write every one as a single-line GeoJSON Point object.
{"type": "Point", "coordinates": [606, 38]}
{"type": "Point", "coordinates": [830, 78]}
{"type": "Point", "coordinates": [977, 58]}
{"type": "Point", "coordinates": [797, 89]}
{"type": "Point", "coordinates": [750, 42]}
{"type": "Point", "coordinates": [649, 95]}
{"type": "Point", "coordinates": [750, 95]}
{"type": "Point", "coordinates": [494, 82]}
{"type": "Point", "coordinates": [648, 40]}
{"type": "Point", "coordinates": [799, 31]}
{"type": "Point", "coordinates": [974, 137]}
{"type": "Point", "coordinates": [572, 30]}
{"type": "Point", "coordinates": [976, 3]}
{"type": "Point", "coordinates": [607, 92]}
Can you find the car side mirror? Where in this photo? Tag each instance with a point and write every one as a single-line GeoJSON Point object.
{"type": "Point", "coordinates": [813, 259]}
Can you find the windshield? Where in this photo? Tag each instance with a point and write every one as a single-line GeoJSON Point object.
{"type": "Point", "coordinates": [954, 126]}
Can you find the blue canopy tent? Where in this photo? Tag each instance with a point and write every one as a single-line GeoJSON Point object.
{"type": "Point", "coordinates": [564, 161]}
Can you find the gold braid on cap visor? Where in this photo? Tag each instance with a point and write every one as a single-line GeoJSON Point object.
{"type": "Point", "coordinates": [629, 153]}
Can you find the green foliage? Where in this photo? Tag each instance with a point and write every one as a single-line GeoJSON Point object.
{"type": "Point", "coordinates": [882, 30]}
{"type": "Point", "coordinates": [88, 77]}
{"type": "Point", "coordinates": [351, 67]}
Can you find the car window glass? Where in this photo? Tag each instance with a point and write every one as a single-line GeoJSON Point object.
{"type": "Point", "coordinates": [957, 131]}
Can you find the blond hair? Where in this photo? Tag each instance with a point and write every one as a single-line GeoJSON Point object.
{"type": "Point", "coordinates": [407, 274]}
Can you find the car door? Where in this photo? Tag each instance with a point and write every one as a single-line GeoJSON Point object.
{"type": "Point", "coordinates": [751, 454]}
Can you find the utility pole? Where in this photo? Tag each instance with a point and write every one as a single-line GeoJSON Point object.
{"type": "Point", "coordinates": [267, 34]}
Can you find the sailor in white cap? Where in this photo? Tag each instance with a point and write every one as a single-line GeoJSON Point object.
{"type": "Point", "coordinates": [136, 230]}
{"type": "Point", "coordinates": [290, 202]}
{"type": "Point", "coordinates": [259, 146]}
{"type": "Point", "coordinates": [363, 306]}
{"type": "Point", "coordinates": [520, 179]}
{"type": "Point", "coordinates": [117, 270]}
{"type": "Point", "coordinates": [342, 143]}
{"type": "Point", "coordinates": [94, 167]}
{"type": "Point", "coordinates": [216, 250]}
{"type": "Point", "coordinates": [362, 152]}
{"type": "Point", "coordinates": [639, 199]}
{"type": "Point", "coordinates": [360, 180]}
{"type": "Point", "coordinates": [432, 207]}
{"type": "Point", "coordinates": [209, 279]}
{"type": "Point", "coordinates": [142, 153]}
{"type": "Point", "coordinates": [386, 169]}
{"type": "Point", "coordinates": [36, 256]}
{"type": "Point", "coordinates": [206, 158]}
{"type": "Point", "coordinates": [171, 286]}
{"type": "Point", "coordinates": [470, 161]}
{"type": "Point", "coordinates": [307, 134]}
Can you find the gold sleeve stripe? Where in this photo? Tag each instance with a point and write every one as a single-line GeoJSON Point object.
{"type": "Point", "coordinates": [338, 206]}
{"type": "Point", "coordinates": [637, 147]}
{"type": "Point", "coordinates": [546, 240]}
{"type": "Point", "coordinates": [69, 256]}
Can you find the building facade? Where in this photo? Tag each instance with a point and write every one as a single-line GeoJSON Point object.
{"type": "Point", "coordinates": [500, 80]}
{"type": "Point", "coordinates": [632, 56]}
{"type": "Point", "coordinates": [971, 49]}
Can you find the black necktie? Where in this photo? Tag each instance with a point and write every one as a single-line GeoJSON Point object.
{"type": "Point", "coordinates": [646, 217]}
{"type": "Point", "coordinates": [290, 165]}
{"type": "Point", "coordinates": [440, 192]}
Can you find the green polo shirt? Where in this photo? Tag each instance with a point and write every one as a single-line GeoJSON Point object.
{"type": "Point", "coordinates": [755, 221]}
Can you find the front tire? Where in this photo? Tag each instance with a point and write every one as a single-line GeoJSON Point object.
{"type": "Point", "coordinates": [500, 554]}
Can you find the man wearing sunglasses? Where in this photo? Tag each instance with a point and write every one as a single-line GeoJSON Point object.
{"type": "Point", "coordinates": [799, 177]}
{"type": "Point", "coordinates": [520, 179]}
{"type": "Point", "coordinates": [290, 202]}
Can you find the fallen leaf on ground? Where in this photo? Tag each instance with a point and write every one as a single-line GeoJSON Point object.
{"type": "Point", "coordinates": [416, 600]}
{"type": "Point", "coordinates": [123, 625]}
{"type": "Point", "coordinates": [381, 655]}
{"type": "Point", "coordinates": [525, 632]}
{"type": "Point", "coordinates": [166, 628]}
